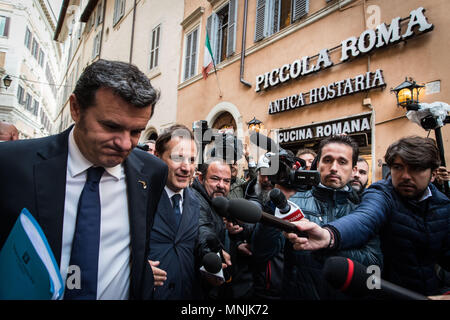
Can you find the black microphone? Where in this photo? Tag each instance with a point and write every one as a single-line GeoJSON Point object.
{"type": "Point", "coordinates": [264, 142]}
{"type": "Point", "coordinates": [279, 200]}
{"type": "Point", "coordinates": [212, 262]}
{"type": "Point", "coordinates": [351, 277]}
{"type": "Point", "coordinates": [220, 205]}
{"type": "Point", "coordinates": [250, 212]}
{"type": "Point", "coordinates": [216, 247]}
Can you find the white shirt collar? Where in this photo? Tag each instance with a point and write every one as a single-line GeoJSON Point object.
{"type": "Point", "coordinates": [170, 193]}
{"type": "Point", "coordinates": [426, 194]}
{"type": "Point", "coordinates": [77, 163]}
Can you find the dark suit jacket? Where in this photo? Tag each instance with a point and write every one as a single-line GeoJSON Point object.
{"type": "Point", "coordinates": [33, 175]}
{"type": "Point", "coordinates": [175, 249]}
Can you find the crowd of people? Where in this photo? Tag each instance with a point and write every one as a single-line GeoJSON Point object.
{"type": "Point", "coordinates": [156, 221]}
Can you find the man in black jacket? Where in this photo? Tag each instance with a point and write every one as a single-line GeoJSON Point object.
{"type": "Point", "coordinates": [213, 181]}
{"type": "Point", "coordinates": [410, 214]}
{"type": "Point", "coordinates": [331, 199]}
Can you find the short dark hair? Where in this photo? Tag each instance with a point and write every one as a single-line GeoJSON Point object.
{"type": "Point", "coordinates": [342, 139]}
{"type": "Point", "coordinates": [203, 168]}
{"type": "Point", "coordinates": [306, 151]}
{"type": "Point", "coordinates": [360, 159]}
{"type": "Point", "coordinates": [177, 130]}
{"type": "Point", "coordinates": [124, 79]}
{"type": "Point", "coordinates": [416, 152]}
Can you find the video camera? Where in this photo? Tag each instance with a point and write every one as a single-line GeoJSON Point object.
{"type": "Point", "coordinates": [430, 115]}
{"type": "Point", "coordinates": [143, 146]}
{"type": "Point", "coordinates": [226, 146]}
{"type": "Point", "coordinates": [284, 167]}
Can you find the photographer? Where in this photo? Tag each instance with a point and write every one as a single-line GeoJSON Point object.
{"type": "Point", "coordinates": [238, 185]}
{"type": "Point", "coordinates": [331, 199]}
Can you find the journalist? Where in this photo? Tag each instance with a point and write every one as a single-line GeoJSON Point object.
{"type": "Point", "coordinates": [331, 199]}
{"type": "Point", "coordinates": [410, 214]}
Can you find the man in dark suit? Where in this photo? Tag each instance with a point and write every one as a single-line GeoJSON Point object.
{"type": "Point", "coordinates": [111, 105]}
{"type": "Point", "coordinates": [174, 234]}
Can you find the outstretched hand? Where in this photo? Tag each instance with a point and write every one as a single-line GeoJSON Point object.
{"type": "Point", "coordinates": [318, 237]}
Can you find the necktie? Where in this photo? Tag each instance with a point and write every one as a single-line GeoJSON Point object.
{"type": "Point", "coordinates": [86, 239]}
{"type": "Point", "coordinates": [176, 208]}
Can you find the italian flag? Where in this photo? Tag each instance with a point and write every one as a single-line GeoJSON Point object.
{"type": "Point", "coordinates": [208, 62]}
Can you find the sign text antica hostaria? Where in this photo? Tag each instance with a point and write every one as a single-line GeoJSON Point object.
{"type": "Point", "coordinates": [352, 47]}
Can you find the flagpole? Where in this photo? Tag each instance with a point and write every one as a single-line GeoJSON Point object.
{"type": "Point", "coordinates": [218, 84]}
{"type": "Point", "coordinates": [209, 51]}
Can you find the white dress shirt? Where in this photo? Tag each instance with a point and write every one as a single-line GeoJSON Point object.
{"type": "Point", "coordinates": [114, 251]}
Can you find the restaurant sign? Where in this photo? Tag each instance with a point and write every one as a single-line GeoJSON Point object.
{"type": "Point", "coordinates": [361, 82]}
{"type": "Point", "coordinates": [370, 39]}
{"type": "Point", "coordinates": [350, 125]}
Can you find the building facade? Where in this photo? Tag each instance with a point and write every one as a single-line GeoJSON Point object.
{"type": "Point", "coordinates": [145, 33]}
{"type": "Point", "coordinates": [311, 69]}
{"type": "Point", "coordinates": [30, 58]}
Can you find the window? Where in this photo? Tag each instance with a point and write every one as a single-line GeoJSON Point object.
{"type": "Point", "coordinates": [274, 15]}
{"type": "Point", "coordinates": [35, 49]}
{"type": "Point", "coordinates": [4, 26]}
{"type": "Point", "coordinates": [190, 57]}
{"type": "Point", "coordinates": [35, 109]}
{"type": "Point", "coordinates": [28, 38]}
{"type": "Point", "coordinates": [41, 58]}
{"type": "Point", "coordinates": [221, 28]}
{"type": "Point", "coordinates": [20, 94]}
{"type": "Point", "coordinates": [28, 101]}
{"type": "Point", "coordinates": [96, 48]}
{"type": "Point", "coordinates": [154, 51]}
{"type": "Point", "coordinates": [88, 25]}
{"type": "Point", "coordinates": [99, 17]}
{"type": "Point", "coordinates": [92, 21]}
{"type": "Point", "coordinates": [119, 10]}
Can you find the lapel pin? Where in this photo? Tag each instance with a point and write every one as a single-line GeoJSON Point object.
{"type": "Point", "coordinates": [144, 184]}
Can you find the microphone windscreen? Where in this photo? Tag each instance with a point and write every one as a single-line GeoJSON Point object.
{"type": "Point", "coordinates": [213, 242]}
{"type": "Point", "coordinates": [212, 262]}
{"type": "Point", "coordinates": [278, 198]}
{"type": "Point", "coordinates": [244, 210]}
{"type": "Point", "coordinates": [346, 275]}
{"type": "Point", "coordinates": [263, 142]}
{"type": "Point", "coordinates": [220, 205]}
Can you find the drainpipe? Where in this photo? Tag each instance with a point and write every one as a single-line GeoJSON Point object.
{"type": "Point", "coordinates": [244, 34]}
{"type": "Point", "coordinates": [132, 32]}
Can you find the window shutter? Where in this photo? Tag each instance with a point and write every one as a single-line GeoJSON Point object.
{"type": "Point", "coordinates": [6, 32]}
{"type": "Point", "coordinates": [115, 12]}
{"type": "Point", "coordinates": [260, 17]}
{"type": "Point", "coordinates": [276, 16]}
{"type": "Point", "coordinates": [194, 53]}
{"type": "Point", "coordinates": [27, 38]}
{"type": "Point", "coordinates": [299, 9]}
{"type": "Point", "coordinates": [187, 61]}
{"type": "Point", "coordinates": [232, 18]}
{"type": "Point", "coordinates": [100, 12]}
{"type": "Point", "coordinates": [158, 31]}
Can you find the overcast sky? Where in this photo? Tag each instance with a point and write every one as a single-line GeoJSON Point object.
{"type": "Point", "coordinates": [56, 7]}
